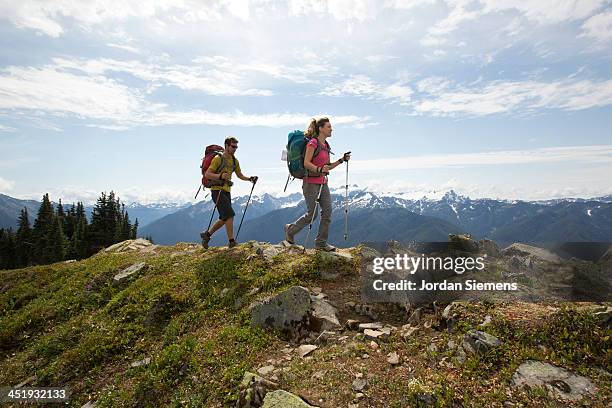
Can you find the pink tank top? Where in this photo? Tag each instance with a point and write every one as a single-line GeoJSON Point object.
{"type": "Point", "coordinates": [320, 160]}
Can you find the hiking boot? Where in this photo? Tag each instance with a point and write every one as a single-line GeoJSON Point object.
{"type": "Point", "coordinates": [205, 239]}
{"type": "Point", "coordinates": [232, 243]}
{"type": "Point", "coordinates": [288, 236]}
{"type": "Point", "coordinates": [326, 248]}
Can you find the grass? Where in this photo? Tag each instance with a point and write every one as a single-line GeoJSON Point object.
{"type": "Point", "coordinates": [72, 326]}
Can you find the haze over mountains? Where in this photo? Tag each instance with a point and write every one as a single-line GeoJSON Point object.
{"type": "Point", "coordinates": [375, 217]}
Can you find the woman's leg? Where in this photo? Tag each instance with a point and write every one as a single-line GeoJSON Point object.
{"type": "Point", "coordinates": [310, 196]}
{"type": "Point", "coordinates": [326, 211]}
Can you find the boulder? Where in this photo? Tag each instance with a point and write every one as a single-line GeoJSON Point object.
{"type": "Point", "coordinates": [556, 380]}
{"type": "Point", "coordinates": [324, 315]}
{"type": "Point", "coordinates": [535, 253]}
{"type": "Point", "coordinates": [479, 342]}
{"type": "Point", "coordinates": [129, 271]}
{"type": "Point", "coordinates": [295, 313]}
{"type": "Point", "coordinates": [289, 312]}
{"type": "Point", "coordinates": [284, 399]}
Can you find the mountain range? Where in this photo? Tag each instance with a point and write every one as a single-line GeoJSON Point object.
{"type": "Point", "coordinates": [375, 217]}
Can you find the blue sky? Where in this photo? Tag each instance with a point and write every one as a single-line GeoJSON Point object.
{"type": "Point", "coordinates": [495, 99]}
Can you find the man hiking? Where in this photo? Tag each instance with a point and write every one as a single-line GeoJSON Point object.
{"type": "Point", "coordinates": [221, 168]}
{"type": "Point", "coordinates": [314, 185]}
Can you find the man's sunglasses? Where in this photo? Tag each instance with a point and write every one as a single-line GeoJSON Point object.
{"type": "Point", "coordinates": [234, 146]}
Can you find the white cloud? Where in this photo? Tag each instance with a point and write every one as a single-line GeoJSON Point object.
{"type": "Point", "coordinates": [511, 96]}
{"type": "Point", "coordinates": [538, 12]}
{"type": "Point", "coordinates": [566, 154]}
{"type": "Point", "coordinates": [7, 129]}
{"type": "Point", "coordinates": [58, 90]}
{"type": "Point", "coordinates": [6, 185]}
{"type": "Point", "coordinates": [49, 89]}
{"type": "Point", "coordinates": [365, 87]}
{"type": "Point", "coordinates": [124, 47]}
{"type": "Point", "coordinates": [599, 26]}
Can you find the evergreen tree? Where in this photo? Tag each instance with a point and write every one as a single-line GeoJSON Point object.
{"type": "Point", "coordinates": [7, 249]}
{"type": "Point", "coordinates": [70, 222]}
{"type": "Point", "coordinates": [55, 251]}
{"type": "Point", "coordinates": [24, 242]}
{"type": "Point", "coordinates": [134, 232]}
{"type": "Point", "coordinates": [42, 228]}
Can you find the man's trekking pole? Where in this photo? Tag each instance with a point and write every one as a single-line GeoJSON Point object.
{"type": "Point", "coordinates": [346, 205]}
{"type": "Point", "coordinates": [314, 214]}
{"type": "Point", "coordinates": [198, 192]}
{"type": "Point", "coordinates": [214, 209]}
{"type": "Point", "coordinates": [245, 208]}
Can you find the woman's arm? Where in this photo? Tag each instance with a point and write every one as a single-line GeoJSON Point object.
{"type": "Point", "coordinates": [308, 159]}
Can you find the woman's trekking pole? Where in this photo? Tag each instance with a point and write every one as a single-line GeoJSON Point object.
{"type": "Point", "coordinates": [346, 205]}
{"type": "Point", "coordinates": [214, 209]}
{"type": "Point", "coordinates": [245, 209]}
{"type": "Point", "coordinates": [314, 214]}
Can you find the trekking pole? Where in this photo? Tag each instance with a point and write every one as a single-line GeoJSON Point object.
{"type": "Point", "coordinates": [214, 209]}
{"type": "Point", "coordinates": [198, 192]}
{"type": "Point", "coordinates": [346, 205]}
{"type": "Point", "coordinates": [245, 209]}
{"type": "Point", "coordinates": [314, 214]}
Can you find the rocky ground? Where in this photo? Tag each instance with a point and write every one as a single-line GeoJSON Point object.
{"type": "Point", "coordinates": [141, 325]}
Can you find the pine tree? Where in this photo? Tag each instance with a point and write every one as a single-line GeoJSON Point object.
{"type": "Point", "coordinates": [42, 228]}
{"type": "Point", "coordinates": [7, 249]}
{"type": "Point", "coordinates": [56, 249]}
{"type": "Point", "coordinates": [134, 232]}
{"type": "Point", "coordinates": [24, 241]}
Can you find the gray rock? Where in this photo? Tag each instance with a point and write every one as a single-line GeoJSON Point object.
{"type": "Point", "coordinates": [393, 358]}
{"type": "Point", "coordinates": [140, 363]}
{"type": "Point", "coordinates": [306, 349]}
{"type": "Point", "coordinates": [27, 381]}
{"type": "Point", "coordinates": [556, 380]}
{"type": "Point", "coordinates": [336, 256]}
{"type": "Point", "coordinates": [486, 321]}
{"type": "Point", "coordinates": [288, 312]}
{"type": "Point", "coordinates": [284, 399]}
{"type": "Point", "coordinates": [535, 253]}
{"type": "Point", "coordinates": [371, 326]}
{"type": "Point", "coordinates": [416, 316]}
{"type": "Point", "coordinates": [460, 356]}
{"type": "Point", "coordinates": [375, 334]}
{"type": "Point", "coordinates": [268, 251]}
{"type": "Point", "coordinates": [253, 390]}
{"type": "Point", "coordinates": [359, 384]}
{"type": "Point", "coordinates": [129, 271]}
{"type": "Point", "coordinates": [89, 404]}
{"type": "Point", "coordinates": [604, 317]}
{"type": "Point", "coordinates": [479, 342]}
{"type": "Point", "coordinates": [324, 315]}
{"type": "Point", "coordinates": [266, 370]}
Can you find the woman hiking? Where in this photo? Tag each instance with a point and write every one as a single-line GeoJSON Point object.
{"type": "Point", "coordinates": [314, 184]}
